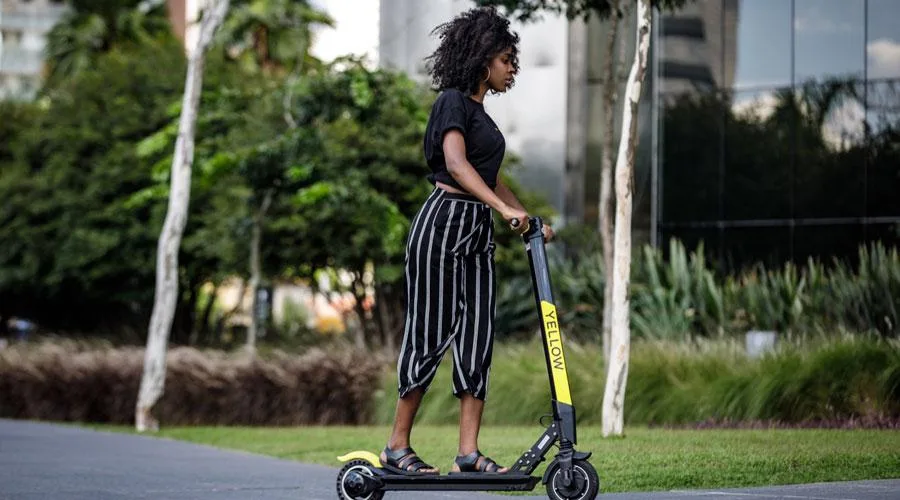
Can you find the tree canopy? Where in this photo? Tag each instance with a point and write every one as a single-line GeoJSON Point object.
{"type": "Point", "coordinates": [530, 10]}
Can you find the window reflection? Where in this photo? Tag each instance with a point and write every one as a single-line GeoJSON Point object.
{"type": "Point", "coordinates": [830, 151]}
{"type": "Point", "coordinates": [883, 43]}
{"type": "Point", "coordinates": [883, 106]}
{"type": "Point", "coordinates": [829, 39]}
{"type": "Point", "coordinates": [691, 151]}
{"type": "Point", "coordinates": [887, 233]}
{"type": "Point", "coordinates": [693, 47]}
{"type": "Point", "coordinates": [759, 145]}
{"type": "Point", "coordinates": [781, 142]}
{"type": "Point", "coordinates": [759, 61]}
{"type": "Point", "coordinates": [883, 158]}
{"type": "Point", "coordinates": [745, 246]}
{"type": "Point", "coordinates": [820, 242]}
{"type": "Point", "coordinates": [710, 239]}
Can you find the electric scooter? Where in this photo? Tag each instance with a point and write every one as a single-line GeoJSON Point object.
{"type": "Point", "coordinates": [568, 477]}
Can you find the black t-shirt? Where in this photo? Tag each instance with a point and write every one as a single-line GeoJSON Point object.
{"type": "Point", "coordinates": [485, 145]}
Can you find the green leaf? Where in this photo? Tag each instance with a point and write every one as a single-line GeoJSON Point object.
{"type": "Point", "coordinates": [312, 195]}
{"type": "Point", "coordinates": [157, 143]}
{"type": "Point", "coordinates": [146, 196]}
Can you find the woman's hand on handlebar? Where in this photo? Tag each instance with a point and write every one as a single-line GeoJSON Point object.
{"type": "Point", "coordinates": [517, 215]}
{"type": "Point", "coordinates": [519, 222]}
{"type": "Point", "coordinates": [548, 232]}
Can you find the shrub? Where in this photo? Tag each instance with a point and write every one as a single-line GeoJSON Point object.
{"type": "Point", "coordinates": [680, 296]}
{"type": "Point", "coordinates": [839, 381]}
{"type": "Point", "coordinates": [65, 381]}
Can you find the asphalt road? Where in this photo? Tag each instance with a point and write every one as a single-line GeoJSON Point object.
{"type": "Point", "coordinates": [41, 461]}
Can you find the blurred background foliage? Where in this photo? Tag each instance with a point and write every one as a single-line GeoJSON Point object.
{"type": "Point", "coordinates": [324, 159]}
{"type": "Point", "coordinates": [839, 381]}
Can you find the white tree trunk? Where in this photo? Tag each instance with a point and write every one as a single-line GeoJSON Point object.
{"type": "Point", "coordinates": [611, 77]}
{"type": "Point", "coordinates": [256, 269]}
{"type": "Point", "coordinates": [165, 298]}
{"type": "Point", "coordinates": [617, 374]}
{"type": "Point", "coordinates": [253, 330]}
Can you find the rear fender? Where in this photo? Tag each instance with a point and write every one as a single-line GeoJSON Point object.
{"type": "Point", "coordinates": [362, 455]}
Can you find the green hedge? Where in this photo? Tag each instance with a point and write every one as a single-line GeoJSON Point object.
{"type": "Point", "coordinates": [843, 381]}
{"type": "Point", "coordinates": [683, 296]}
{"type": "Point", "coordinates": [67, 381]}
{"type": "Point", "coordinates": [837, 381]}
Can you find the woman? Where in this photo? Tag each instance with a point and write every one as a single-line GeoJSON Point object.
{"type": "Point", "coordinates": [450, 250]}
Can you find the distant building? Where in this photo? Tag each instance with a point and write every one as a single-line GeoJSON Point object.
{"type": "Point", "coordinates": [714, 163]}
{"type": "Point", "coordinates": [772, 128]}
{"type": "Point", "coordinates": [698, 46]}
{"type": "Point", "coordinates": [23, 27]}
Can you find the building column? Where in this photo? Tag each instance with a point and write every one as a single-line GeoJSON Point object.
{"type": "Point", "coordinates": [576, 123]}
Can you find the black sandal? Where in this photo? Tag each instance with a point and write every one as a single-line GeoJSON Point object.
{"type": "Point", "coordinates": [405, 461]}
{"type": "Point", "coordinates": [476, 462]}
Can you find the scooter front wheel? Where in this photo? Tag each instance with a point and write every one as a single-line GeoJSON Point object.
{"type": "Point", "coordinates": [585, 483]}
{"type": "Point", "coordinates": [352, 482]}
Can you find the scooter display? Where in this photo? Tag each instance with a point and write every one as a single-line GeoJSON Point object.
{"type": "Point", "coordinates": [570, 476]}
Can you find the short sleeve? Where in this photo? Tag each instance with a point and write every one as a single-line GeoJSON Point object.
{"type": "Point", "coordinates": [449, 113]}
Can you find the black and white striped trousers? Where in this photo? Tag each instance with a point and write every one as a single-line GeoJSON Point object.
{"type": "Point", "coordinates": [451, 294]}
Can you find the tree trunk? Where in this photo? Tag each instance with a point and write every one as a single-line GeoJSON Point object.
{"type": "Point", "coordinates": [386, 308]}
{"type": "Point", "coordinates": [387, 334]}
{"type": "Point", "coordinates": [185, 315]}
{"type": "Point", "coordinates": [358, 289]}
{"type": "Point", "coordinates": [201, 328]}
{"type": "Point", "coordinates": [617, 374]}
{"type": "Point", "coordinates": [293, 78]}
{"type": "Point", "coordinates": [256, 269]}
{"type": "Point", "coordinates": [252, 331]}
{"type": "Point", "coordinates": [611, 77]}
{"type": "Point", "coordinates": [166, 295]}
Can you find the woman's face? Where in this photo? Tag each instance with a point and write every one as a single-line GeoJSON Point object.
{"type": "Point", "coordinates": [503, 72]}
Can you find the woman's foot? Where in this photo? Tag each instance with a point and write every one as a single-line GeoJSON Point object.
{"type": "Point", "coordinates": [405, 461]}
{"type": "Point", "coordinates": [476, 462]}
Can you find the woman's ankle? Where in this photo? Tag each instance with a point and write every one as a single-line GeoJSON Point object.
{"type": "Point", "coordinates": [466, 450]}
{"type": "Point", "coordinates": [397, 445]}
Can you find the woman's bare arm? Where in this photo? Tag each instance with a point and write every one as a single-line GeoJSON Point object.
{"type": "Point", "coordinates": [507, 195]}
{"type": "Point", "coordinates": [465, 174]}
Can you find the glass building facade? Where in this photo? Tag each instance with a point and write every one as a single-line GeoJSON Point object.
{"type": "Point", "coordinates": [774, 129]}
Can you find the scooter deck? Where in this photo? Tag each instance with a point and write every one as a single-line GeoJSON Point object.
{"type": "Point", "coordinates": [472, 481]}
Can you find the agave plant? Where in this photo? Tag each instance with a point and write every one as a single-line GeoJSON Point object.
{"type": "Point", "coordinates": [578, 284]}
{"type": "Point", "coordinates": [873, 295]}
{"type": "Point", "coordinates": [678, 297]}
{"type": "Point", "coordinates": [516, 314]}
{"type": "Point", "coordinates": [774, 300]}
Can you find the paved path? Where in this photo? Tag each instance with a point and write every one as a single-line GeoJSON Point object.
{"type": "Point", "coordinates": [49, 462]}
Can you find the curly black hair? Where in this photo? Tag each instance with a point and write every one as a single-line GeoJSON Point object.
{"type": "Point", "coordinates": [467, 45]}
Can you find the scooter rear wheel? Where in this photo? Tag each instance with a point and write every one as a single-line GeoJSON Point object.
{"type": "Point", "coordinates": [586, 484]}
{"type": "Point", "coordinates": [346, 477]}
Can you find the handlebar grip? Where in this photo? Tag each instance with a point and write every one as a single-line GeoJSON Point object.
{"type": "Point", "coordinates": [520, 227]}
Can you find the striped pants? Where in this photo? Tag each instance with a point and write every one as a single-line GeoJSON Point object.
{"type": "Point", "coordinates": [451, 294]}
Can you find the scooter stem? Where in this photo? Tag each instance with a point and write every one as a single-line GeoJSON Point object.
{"type": "Point", "coordinates": [563, 409]}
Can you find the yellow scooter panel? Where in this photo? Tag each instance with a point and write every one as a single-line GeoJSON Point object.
{"type": "Point", "coordinates": [361, 455]}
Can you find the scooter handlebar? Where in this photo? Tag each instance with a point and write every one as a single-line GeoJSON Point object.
{"type": "Point", "coordinates": [522, 227]}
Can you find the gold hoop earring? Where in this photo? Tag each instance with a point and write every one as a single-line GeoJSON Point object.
{"type": "Point", "coordinates": [488, 77]}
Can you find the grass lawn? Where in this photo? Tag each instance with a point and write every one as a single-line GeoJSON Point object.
{"type": "Point", "coordinates": [645, 460]}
